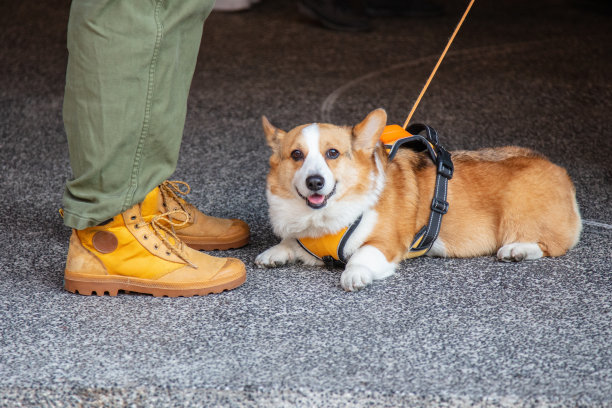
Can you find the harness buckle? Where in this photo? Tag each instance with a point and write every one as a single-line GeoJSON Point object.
{"type": "Point", "coordinates": [445, 164]}
{"type": "Point", "coordinates": [439, 206]}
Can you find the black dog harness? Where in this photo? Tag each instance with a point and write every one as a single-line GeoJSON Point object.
{"type": "Point", "coordinates": [426, 236]}
{"type": "Point", "coordinates": [330, 248]}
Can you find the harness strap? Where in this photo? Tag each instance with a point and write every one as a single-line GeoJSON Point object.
{"type": "Point", "coordinates": [418, 238]}
{"type": "Point", "coordinates": [425, 238]}
{"type": "Point", "coordinates": [346, 237]}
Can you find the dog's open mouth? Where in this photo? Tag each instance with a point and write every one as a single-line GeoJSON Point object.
{"type": "Point", "coordinates": [317, 201]}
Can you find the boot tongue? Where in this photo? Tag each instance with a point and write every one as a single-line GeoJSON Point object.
{"type": "Point", "coordinates": [151, 204]}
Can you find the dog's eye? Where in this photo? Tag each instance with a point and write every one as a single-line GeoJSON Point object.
{"type": "Point", "coordinates": [332, 154]}
{"type": "Point", "coordinates": [297, 155]}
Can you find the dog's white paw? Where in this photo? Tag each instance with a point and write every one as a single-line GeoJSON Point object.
{"type": "Point", "coordinates": [278, 255]}
{"type": "Point", "coordinates": [519, 251]}
{"type": "Point", "coordinates": [356, 277]}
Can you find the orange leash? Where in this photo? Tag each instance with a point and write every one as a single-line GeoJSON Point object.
{"type": "Point", "coordinates": [450, 41]}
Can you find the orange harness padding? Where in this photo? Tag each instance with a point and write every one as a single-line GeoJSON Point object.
{"type": "Point", "coordinates": [393, 133]}
{"type": "Point", "coordinates": [326, 246]}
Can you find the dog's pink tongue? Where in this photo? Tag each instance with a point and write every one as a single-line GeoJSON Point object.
{"type": "Point", "coordinates": [316, 199]}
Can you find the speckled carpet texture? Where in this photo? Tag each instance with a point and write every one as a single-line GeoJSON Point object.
{"type": "Point", "coordinates": [439, 333]}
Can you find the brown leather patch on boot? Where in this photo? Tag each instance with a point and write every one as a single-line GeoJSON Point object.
{"type": "Point", "coordinates": [105, 242]}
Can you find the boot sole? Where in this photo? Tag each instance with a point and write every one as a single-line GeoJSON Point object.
{"type": "Point", "coordinates": [214, 246]}
{"type": "Point", "coordinates": [113, 285]}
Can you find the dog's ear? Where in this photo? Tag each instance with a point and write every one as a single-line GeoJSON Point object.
{"type": "Point", "coordinates": [273, 134]}
{"type": "Point", "coordinates": [367, 133]}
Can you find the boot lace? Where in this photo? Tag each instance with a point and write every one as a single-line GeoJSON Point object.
{"type": "Point", "coordinates": [163, 226]}
{"type": "Point", "coordinates": [172, 190]}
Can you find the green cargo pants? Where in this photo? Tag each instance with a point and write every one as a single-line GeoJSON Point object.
{"type": "Point", "coordinates": [130, 67]}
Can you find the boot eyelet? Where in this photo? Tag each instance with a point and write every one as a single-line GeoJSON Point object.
{"type": "Point", "coordinates": [156, 247]}
{"type": "Point", "coordinates": [168, 253]}
{"type": "Point", "coordinates": [136, 226]}
{"type": "Point", "coordinates": [133, 217]}
{"type": "Point", "coordinates": [146, 237]}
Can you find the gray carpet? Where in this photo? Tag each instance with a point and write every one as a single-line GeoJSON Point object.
{"type": "Point", "coordinates": [441, 332]}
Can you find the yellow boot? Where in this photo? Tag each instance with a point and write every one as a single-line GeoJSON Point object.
{"type": "Point", "coordinates": [200, 231]}
{"type": "Point", "coordinates": [138, 251]}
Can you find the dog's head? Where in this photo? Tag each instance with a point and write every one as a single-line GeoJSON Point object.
{"type": "Point", "coordinates": [322, 174]}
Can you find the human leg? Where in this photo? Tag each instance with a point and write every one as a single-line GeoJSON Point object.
{"type": "Point", "coordinates": [129, 70]}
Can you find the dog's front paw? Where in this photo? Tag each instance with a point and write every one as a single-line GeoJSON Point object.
{"type": "Point", "coordinates": [278, 255]}
{"type": "Point", "coordinates": [355, 277]}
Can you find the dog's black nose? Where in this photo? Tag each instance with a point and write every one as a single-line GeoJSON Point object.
{"type": "Point", "coordinates": [315, 183]}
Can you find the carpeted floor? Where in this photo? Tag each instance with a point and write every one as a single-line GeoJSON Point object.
{"type": "Point", "coordinates": [441, 332]}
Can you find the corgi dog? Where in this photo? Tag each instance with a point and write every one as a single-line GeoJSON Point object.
{"type": "Point", "coordinates": [325, 179]}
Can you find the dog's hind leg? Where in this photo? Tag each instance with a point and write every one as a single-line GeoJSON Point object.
{"type": "Point", "coordinates": [540, 215]}
{"type": "Point", "coordinates": [519, 251]}
{"type": "Point", "coordinates": [365, 265]}
{"type": "Point", "coordinates": [529, 240]}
